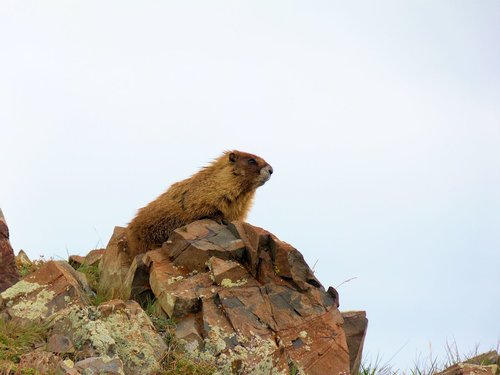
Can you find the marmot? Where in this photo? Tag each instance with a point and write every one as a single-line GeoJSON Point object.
{"type": "Point", "coordinates": [223, 190]}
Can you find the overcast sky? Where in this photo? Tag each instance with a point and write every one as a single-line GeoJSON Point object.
{"type": "Point", "coordinates": [381, 121]}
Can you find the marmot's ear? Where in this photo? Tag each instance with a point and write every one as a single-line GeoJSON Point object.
{"type": "Point", "coordinates": [232, 157]}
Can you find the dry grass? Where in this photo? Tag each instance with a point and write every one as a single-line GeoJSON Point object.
{"type": "Point", "coordinates": [18, 339]}
{"type": "Point", "coordinates": [430, 364]}
{"type": "Point", "coordinates": [175, 361]}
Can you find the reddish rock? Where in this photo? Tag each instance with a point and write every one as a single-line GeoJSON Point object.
{"type": "Point", "coordinates": [483, 364]}
{"type": "Point", "coordinates": [59, 344]}
{"type": "Point", "coordinates": [216, 324]}
{"type": "Point", "coordinates": [227, 272]}
{"type": "Point", "coordinates": [183, 296]}
{"type": "Point", "coordinates": [8, 270]}
{"type": "Point", "coordinates": [22, 259]}
{"type": "Point", "coordinates": [94, 256]}
{"type": "Point", "coordinates": [114, 265]}
{"type": "Point", "coordinates": [318, 345]}
{"type": "Point", "coordinates": [136, 283]}
{"type": "Point", "coordinates": [260, 293]}
{"type": "Point", "coordinates": [193, 245]}
{"type": "Point", "coordinates": [355, 326]}
{"type": "Point", "coordinates": [100, 365]}
{"type": "Point", "coordinates": [255, 240]}
{"type": "Point", "coordinates": [249, 311]}
{"type": "Point", "coordinates": [44, 362]}
{"type": "Point", "coordinates": [241, 298]}
{"type": "Point", "coordinates": [66, 367]}
{"type": "Point", "coordinates": [43, 293]}
{"type": "Point", "coordinates": [470, 369]}
{"type": "Point", "coordinates": [76, 261]}
{"type": "Point", "coordinates": [187, 329]}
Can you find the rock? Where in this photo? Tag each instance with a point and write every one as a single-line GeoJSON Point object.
{"type": "Point", "coordinates": [182, 296]}
{"type": "Point", "coordinates": [94, 257]}
{"type": "Point", "coordinates": [355, 326]}
{"type": "Point", "coordinates": [483, 364]}
{"type": "Point", "coordinates": [187, 331]}
{"type": "Point", "coordinates": [100, 365]}
{"type": "Point", "coordinates": [76, 261]}
{"type": "Point", "coordinates": [8, 268]}
{"type": "Point", "coordinates": [115, 329]}
{"type": "Point", "coordinates": [193, 245]}
{"type": "Point", "coordinates": [136, 284]}
{"type": "Point", "coordinates": [59, 344]}
{"type": "Point", "coordinates": [66, 367]}
{"type": "Point", "coordinates": [470, 369]}
{"type": "Point", "coordinates": [228, 273]}
{"type": "Point", "coordinates": [256, 306]}
{"type": "Point", "coordinates": [114, 265]}
{"type": "Point", "coordinates": [22, 259]}
{"type": "Point", "coordinates": [44, 362]}
{"type": "Point", "coordinates": [43, 293]}
{"type": "Point", "coordinates": [489, 358]}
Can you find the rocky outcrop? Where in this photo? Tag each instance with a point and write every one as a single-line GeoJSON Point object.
{"type": "Point", "coordinates": [8, 269]}
{"type": "Point", "coordinates": [44, 293]}
{"type": "Point", "coordinates": [242, 298]}
{"type": "Point", "coordinates": [242, 301]}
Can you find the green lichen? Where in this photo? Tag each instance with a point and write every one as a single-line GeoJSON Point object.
{"type": "Point", "coordinates": [228, 283]}
{"type": "Point", "coordinates": [132, 340]}
{"type": "Point", "coordinates": [174, 279]}
{"type": "Point", "coordinates": [33, 310]}
{"type": "Point", "coordinates": [21, 287]}
{"type": "Point", "coordinates": [257, 354]}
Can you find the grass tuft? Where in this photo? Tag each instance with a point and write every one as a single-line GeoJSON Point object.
{"type": "Point", "coordinates": [17, 339]}
{"type": "Point", "coordinates": [175, 361]}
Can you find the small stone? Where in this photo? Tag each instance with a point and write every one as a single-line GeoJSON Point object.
{"type": "Point", "coordinates": [59, 344]}
{"type": "Point", "coordinates": [100, 365]}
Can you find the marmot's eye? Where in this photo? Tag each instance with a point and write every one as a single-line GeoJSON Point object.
{"type": "Point", "coordinates": [252, 161]}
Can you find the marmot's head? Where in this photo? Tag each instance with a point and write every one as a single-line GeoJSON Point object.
{"type": "Point", "coordinates": [251, 168]}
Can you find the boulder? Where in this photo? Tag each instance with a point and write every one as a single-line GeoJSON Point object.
{"type": "Point", "coordinates": [43, 293]}
{"type": "Point", "coordinates": [244, 300]}
{"type": "Point", "coordinates": [114, 265]}
{"type": "Point", "coordinates": [8, 270]}
{"type": "Point", "coordinates": [355, 326]}
{"type": "Point", "coordinates": [114, 330]}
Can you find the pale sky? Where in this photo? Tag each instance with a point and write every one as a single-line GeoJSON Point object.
{"type": "Point", "coordinates": [381, 121]}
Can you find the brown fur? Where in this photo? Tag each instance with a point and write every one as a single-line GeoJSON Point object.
{"type": "Point", "coordinates": [223, 190]}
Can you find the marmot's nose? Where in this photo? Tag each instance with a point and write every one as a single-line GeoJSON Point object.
{"type": "Point", "coordinates": [270, 169]}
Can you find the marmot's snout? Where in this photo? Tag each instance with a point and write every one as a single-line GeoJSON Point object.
{"type": "Point", "coordinates": [265, 174]}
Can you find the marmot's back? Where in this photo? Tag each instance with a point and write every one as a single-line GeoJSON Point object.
{"type": "Point", "coordinates": [223, 190]}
